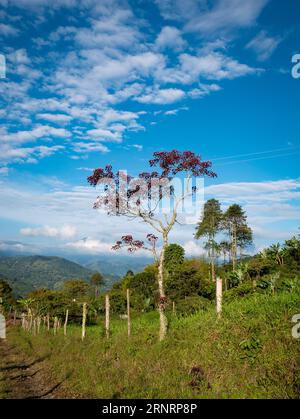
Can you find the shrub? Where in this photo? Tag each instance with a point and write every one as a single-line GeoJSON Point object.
{"type": "Point", "coordinates": [191, 305]}
{"type": "Point", "coordinates": [242, 290]}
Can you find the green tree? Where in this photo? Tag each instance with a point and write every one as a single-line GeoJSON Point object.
{"type": "Point", "coordinates": [76, 289]}
{"type": "Point", "coordinates": [97, 280]}
{"type": "Point", "coordinates": [190, 279]}
{"type": "Point", "coordinates": [235, 222]}
{"type": "Point", "coordinates": [225, 250]}
{"type": "Point", "coordinates": [6, 295]}
{"type": "Point", "coordinates": [274, 253]}
{"type": "Point", "coordinates": [174, 257]}
{"type": "Point", "coordinates": [209, 226]}
{"type": "Point", "coordinates": [244, 238]}
{"type": "Point", "coordinates": [292, 249]}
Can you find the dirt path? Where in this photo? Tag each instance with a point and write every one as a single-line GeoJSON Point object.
{"type": "Point", "coordinates": [25, 378]}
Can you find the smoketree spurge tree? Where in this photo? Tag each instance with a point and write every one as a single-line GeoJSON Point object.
{"type": "Point", "coordinates": [142, 197]}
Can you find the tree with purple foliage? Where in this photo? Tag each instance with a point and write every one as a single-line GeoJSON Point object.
{"type": "Point", "coordinates": [141, 197]}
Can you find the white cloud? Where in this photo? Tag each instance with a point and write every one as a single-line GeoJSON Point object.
{"type": "Point", "coordinates": [161, 96]}
{"type": "Point", "coordinates": [86, 169]}
{"type": "Point", "coordinates": [251, 192]}
{"type": "Point", "coordinates": [9, 153]}
{"type": "Point", "coordinates": [55, 117]}
{"type": "Point", "coordinates": [268, 205]}
{"type": "Point", "coordinates": [170, 37]}
{"type": "Point", "coordinates": [213, 66]}
{"type": "Point", "coordinates": [203, 90]}
{"type": "Point", "coordinates": [214, 16]}
{"type": "Point", "coordinates": [180, 10]}
{"type": "Point", "coordinates": [226, 15]}
{"type": "Point", "coordinates": [192, 249]}
{"type": "Point", "coordinates": [64, 232]}
{"type": "Point", "coordinates": [41, 131]}
{"type": "Point", "coordinates": [264, 45]}
{"type": "Point", "coordinates": [4, 171]}
{"type": "Point", "coordinates": [81, 147]}
{"type": "Point", "coordinates": [19, 57]}
{"type": "Point", "coordinates": [8, 30]}
{"type": "Point", "coordinates": [104, 135]}
{"type": "Point", "coordinates": [112, 58]}
{"type": "Point", "coordinates": [89, 245]}
{"type": "Point", "coordinates": [117, 30]}
{"type": "Point", "coordinates": [138, 147]}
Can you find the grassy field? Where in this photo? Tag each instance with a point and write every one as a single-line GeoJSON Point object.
{"type": "Point", "coordinates": [249, 353]}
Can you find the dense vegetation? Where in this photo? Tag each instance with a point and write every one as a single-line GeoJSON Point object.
{"type": "Point", "coordinates": [248, 352]}
{"type": "Point", "coordinates": [26, 273]}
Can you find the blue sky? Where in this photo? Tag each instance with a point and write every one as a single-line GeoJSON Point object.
{"type": "Point", "coordinates": [90, 83]}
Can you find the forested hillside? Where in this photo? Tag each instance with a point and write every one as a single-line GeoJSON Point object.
{"type": "Point", "coordinates": [26, 273]}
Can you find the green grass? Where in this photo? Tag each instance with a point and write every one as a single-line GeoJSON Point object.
{"type": "Point", "coordinates": [249, 353]}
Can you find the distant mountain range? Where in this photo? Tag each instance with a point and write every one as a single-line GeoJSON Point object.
{"type": "Point", "coordinates": [26, 271]}
{"type": "Point", "coordinates": [115, 264]}
{"type": "Point", "coordinates": [15, 248]}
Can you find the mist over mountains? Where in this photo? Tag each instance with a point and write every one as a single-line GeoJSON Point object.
{"type": "Point", "coordinates": [27, 267]}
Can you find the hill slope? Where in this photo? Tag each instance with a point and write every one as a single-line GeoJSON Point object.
{"type": "Point", "coordinates": [117, 265]}
{"type": "Point", "coordinates": [248, 353]}
{"type": "Point", "coordinates": [25, 273]}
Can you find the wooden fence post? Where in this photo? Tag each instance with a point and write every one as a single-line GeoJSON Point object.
{"type": "Point", "coordinates": [2, 327]}
{"type": "Point", "coordinates": [66, 322]}
{"type": "Point", "coordinates": [128, 311]}
{"type": "Point", "coordinates": [26, 322]}
{"type": "Point", "coordinates": [23, 321]}
{"type": "Point", "coordinates": [38, 324]}
{"type": "Point", "coordinates": [48, 322]}
{"type": "Point", "coordinates": [55, 325]}
{"type": "Point", "coordinates": [219, 296]}
{"type": "Point", "coordinates": [34, 326]}
{"type": "Point", "coordinates": [30, 320]}
{"type": "Point", "coordinates": [107, 315]}
{"type": "Point", "coordinates": [83, 320]}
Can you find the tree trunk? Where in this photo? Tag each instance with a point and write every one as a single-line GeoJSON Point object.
{"type": "Point", "coordinates": [107, 315]}
{"type": "Point", "coordinates": [15, 317]}
{"type": "Point", "coordinates": [128, 312]}
{"type": "Point", "coordinates": [219, 296]}
{"type": "Point", "coordinates": [162, 298]}
{"type": "Point", "coordinates": [233, 246]}
{"type": "Point", "coordinates": [83, 321]}
{"type": "Point", "coordinates": [66, 322]}
{"type": "Point", "coordinates": [213, 273]}
{"type": "Point", "coordinates": [48, 322]}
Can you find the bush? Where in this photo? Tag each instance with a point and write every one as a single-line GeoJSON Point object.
{"type": "Point", "coordinates": [191, 305]}
{"type": "Point", "coordinates": [242, 290]}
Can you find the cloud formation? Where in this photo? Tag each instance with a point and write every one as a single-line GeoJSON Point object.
{"type": "Point", "coordinates": [64, 232]}
{"type": "Point", "coordinates": [74, 88]}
